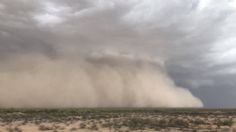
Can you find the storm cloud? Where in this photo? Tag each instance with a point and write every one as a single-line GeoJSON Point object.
{"type": "Point", "coordinates": [191, 42]}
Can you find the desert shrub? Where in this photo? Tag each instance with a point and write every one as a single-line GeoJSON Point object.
{"type": "Point", "coordinates": [198, 122]}
{"type": "Point", "coordinates": [73, 129]}
{"type": "Point", "coordinates": [182, 123]}
{"type": "Point", "coordinates": [45, 128]}
{"type": "Point", "coordinates": [224, 123]}
{"type": "Point", "coordinates": [17, 129]}
{"type": "Point", "coordinates": [93, 127]}
{"type": "Point", "coordinates": [82, 125]}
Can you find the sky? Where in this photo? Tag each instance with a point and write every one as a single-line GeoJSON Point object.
{"type": "Point", "coordinates": [193, 41]}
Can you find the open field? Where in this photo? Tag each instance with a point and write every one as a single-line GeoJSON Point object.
{"type": "Point", "coordinates": [117, 119]}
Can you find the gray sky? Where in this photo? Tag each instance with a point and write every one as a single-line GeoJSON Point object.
{"type": "Point", "coordinates": [194, 39]}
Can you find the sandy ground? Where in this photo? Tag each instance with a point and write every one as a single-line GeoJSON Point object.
{"type": "Point", "coordinates": [56, 127]}
{"type": "Point", "coordinates": [117, 121]}
{"type": "Point", "coordinates": [20, 126]}
{"type": "Point", "coordinates": [75, 126]}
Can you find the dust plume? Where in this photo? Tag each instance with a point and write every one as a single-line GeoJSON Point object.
{"type": "Point", "coordinates": [96, 80]}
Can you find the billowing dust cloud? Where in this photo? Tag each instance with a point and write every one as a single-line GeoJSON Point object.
{"type": "Point", "coordinates": [94, 81]}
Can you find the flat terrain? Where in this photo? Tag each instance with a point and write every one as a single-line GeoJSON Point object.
{"type": "Point", "coordinates": [117, 119]}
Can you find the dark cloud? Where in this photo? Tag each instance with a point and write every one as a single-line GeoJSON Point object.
{"type": "Point", "coordinates": [194, 39]}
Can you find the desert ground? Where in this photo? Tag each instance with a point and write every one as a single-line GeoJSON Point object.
{"type": "Point", "coordinates": [117, 120]}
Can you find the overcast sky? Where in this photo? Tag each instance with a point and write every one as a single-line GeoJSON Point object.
{"type": "Point", "coordinates": [195, 40]}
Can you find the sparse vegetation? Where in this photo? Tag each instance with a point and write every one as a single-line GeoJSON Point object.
{"type": "Point", "coordinates": [126, 119]}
